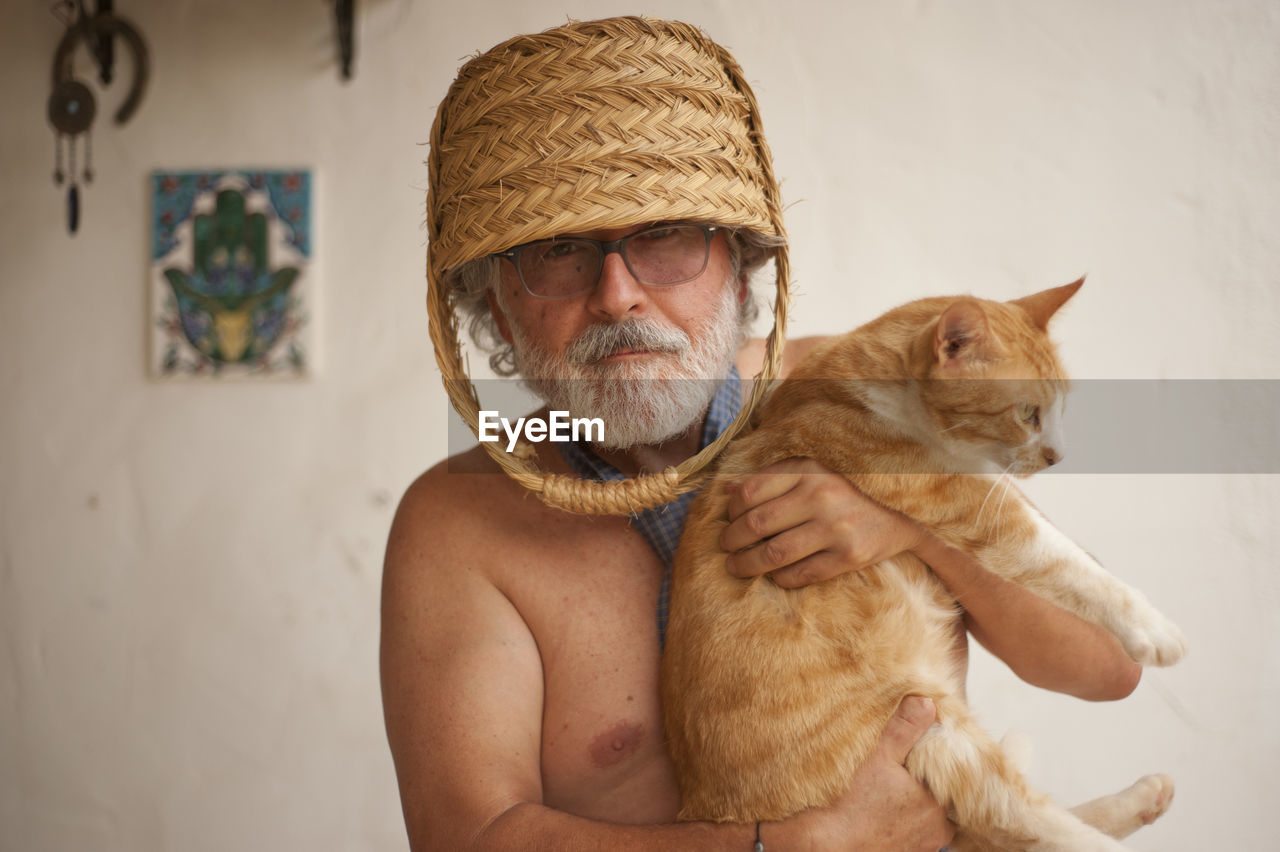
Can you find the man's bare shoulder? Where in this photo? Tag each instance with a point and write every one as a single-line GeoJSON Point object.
{"type": "Point", "coordinates": [465, 512]}
{"type": "Point", "coordinates": [751, 356]}
{"type": "Point", "coordinates": [463, 496]}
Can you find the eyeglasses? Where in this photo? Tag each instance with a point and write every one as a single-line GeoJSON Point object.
{"type": "Point", "coordinates": [660, 256]}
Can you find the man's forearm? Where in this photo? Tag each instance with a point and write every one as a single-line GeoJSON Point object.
{"type": "Point", "coordinates": [534, 828]}
{"type": "Point", "coordinates": [1044, 644]}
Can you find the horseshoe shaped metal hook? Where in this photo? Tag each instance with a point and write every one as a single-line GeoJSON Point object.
{"type": "Point", "coordinates": [93, 30]}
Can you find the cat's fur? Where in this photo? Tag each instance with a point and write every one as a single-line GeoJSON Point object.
{"type": "Point", "coordinates": [773, 698]}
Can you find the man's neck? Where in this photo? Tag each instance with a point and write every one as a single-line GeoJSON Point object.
{"type": "Point", "coordinates": [652, 458]}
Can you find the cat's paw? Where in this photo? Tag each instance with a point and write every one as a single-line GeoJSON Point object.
{"type": "Point", "coordinates": [1155, 794]}
{"type": "Point", "coordinates": [1155, 642]}
{"type": "Point", "coordinates": [1121, 814]}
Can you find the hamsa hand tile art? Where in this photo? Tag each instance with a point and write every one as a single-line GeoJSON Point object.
{"type": "Point", "coordinates": [231, 274]}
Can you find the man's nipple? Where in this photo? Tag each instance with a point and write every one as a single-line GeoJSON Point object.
{"type": "Point", "coordinates": [616, 743]}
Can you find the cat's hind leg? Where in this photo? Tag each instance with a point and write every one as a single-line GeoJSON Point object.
{"type": "Point", "coordinates": [1118, 814]}
{"type": "Point", "coordinates": [1123, 813]}
{"type": "Point", "coordinates": [987, 797]}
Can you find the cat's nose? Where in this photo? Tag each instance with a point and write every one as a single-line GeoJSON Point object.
{"type": "Point", "coordinates": [1050, 455]}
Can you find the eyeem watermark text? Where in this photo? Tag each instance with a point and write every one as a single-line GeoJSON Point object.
{"type": "Point", "coordinates": [559, 426]}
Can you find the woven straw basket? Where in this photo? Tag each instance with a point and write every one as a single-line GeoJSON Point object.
{"type": "Point", "coordinates": [592, 125]}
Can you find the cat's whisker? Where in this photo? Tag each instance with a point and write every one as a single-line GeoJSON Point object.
{"type": "Point", "coordinates": [982, 508]}
{"type": "Point", "coordinates": [1008, 483]}
{"type": "Point", "coordinates": [955, 426]}
{"type": "Point", "coordinates": [1002, 476]}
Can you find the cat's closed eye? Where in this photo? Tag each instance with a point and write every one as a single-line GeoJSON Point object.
{"type": "Point", "coordinates": [1029, 413]}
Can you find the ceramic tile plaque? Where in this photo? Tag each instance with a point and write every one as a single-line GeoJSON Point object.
{"type": "Point", "coordinates": [232, 286]}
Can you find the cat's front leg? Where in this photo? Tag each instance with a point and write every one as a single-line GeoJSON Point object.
{"type": "Point", "coordinates": [989, 519]}
{"type": "Point", "coordinates": [1039, 556]}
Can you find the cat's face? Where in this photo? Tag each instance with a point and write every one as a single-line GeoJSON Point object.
{"type": "Point", "coordinates": [995, 391]}
{"type": "Point", "coordinates": [999, 425]}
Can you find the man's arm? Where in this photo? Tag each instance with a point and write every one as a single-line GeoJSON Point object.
{"type": "Point", "coordinates": [462, 696]}
{"type": "Point", "coordinates": [461, 681]}
{"type": "Point", "coordinates": [1042, 643]}
{"type": "Point", "coordinates": [904, 819]}
{"type": "Point", "coordinates": [802, 523]}
{"type": "Point", "coordinates": [750, 358]}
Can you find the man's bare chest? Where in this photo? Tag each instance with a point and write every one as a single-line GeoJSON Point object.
{"type": "Point", "coordinates": [590, 596]}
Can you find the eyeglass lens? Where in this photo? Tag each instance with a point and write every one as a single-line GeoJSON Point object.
{"type": "Point", "coordinates": [657, 256]}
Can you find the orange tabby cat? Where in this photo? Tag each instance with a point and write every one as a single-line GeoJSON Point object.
{"type": "Point", "coordinates": [773, 698]}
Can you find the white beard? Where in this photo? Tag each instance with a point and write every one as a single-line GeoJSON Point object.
{"type": "Point", "coordinates": [644, 401]}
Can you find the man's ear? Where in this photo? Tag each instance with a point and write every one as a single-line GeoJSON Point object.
{"type": "Point", "coordinates": [744, 287]}
{"type": "Point", "coordinates": [495, 311]}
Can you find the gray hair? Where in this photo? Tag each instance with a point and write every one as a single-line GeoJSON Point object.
{"type": "Point", "coordinates": [472, 281]}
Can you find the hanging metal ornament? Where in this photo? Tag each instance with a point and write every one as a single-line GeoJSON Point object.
{"type": "Point", "coordinates": [71, 107]}
{"type": "Point", "coordinates": [344, 24]}
{"type": "Point", "coordinates": [71, 112]}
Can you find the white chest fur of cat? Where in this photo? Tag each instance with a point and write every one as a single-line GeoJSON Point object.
{"type": "Point", "coordinates": [773, 698]}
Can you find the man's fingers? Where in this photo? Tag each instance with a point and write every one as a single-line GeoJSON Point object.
{"type": "Point", "coordinates": [758, 488]}
{"type": "Point", "coordinates": [812, 569]}
{"type": "Point", "coordinates": [780, 551]}
{"type": "Point", "coordinates": [914, 716]}
{"type": "Point", "coordinates": [766, 519]}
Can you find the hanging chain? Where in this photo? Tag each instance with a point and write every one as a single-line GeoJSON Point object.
{"type": "Point", "coordinates": [73, 191]}
{"type": "Point", "coordinates": [58, 175]}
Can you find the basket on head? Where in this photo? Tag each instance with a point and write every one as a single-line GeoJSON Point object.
{"type": "Point", "coordinates": [594, 125]}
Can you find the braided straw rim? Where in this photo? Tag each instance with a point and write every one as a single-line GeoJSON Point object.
{"type": "Point", "coordinates": [574, 193]}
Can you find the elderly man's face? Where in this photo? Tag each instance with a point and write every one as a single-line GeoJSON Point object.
{"type": "Point", "coordinates": [645, 359]}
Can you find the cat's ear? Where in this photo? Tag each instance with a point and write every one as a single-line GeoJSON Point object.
{"type": "Point", "coordinates": [962, 335]}
{"type": "Point", "coordinates": [1043, 305]}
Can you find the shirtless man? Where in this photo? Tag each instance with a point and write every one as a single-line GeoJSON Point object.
{"type": "Point", "coordinates": [520, 654]}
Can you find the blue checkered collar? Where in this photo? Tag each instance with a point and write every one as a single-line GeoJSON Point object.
{"type": "Point", "coordinates": [662, 525]}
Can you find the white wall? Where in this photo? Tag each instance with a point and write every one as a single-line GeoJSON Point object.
{"type": "Point", "coordinates": [189, 572]}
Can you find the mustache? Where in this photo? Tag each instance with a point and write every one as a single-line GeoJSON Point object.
{"type": "Point", "coordinates": [604, 339]}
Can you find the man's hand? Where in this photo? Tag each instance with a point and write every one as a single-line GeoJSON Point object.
{"type": "Point", "coordinates": [801, 523]}
{"type": "Point", "coordinates": [885, 809]}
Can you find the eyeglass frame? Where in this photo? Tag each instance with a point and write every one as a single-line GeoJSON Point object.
{"type": "Point", "coordinates": [608, 247]}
